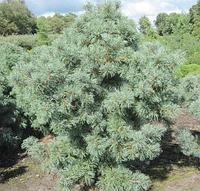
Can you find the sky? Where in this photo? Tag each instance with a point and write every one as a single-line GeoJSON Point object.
{"type": "Point", "coordinates": [132, 8]}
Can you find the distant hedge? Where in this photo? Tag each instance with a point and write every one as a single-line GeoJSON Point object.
{"type": "Point", "coordinates": [25, 41]}
{"type": "Point", "coordinates": [187, 69]}
{"type": "Point", "coordinates": [16, 18]}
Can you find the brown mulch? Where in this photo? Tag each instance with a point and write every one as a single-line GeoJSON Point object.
{"type": "Point", "coordinates": [187, 120]}
{"type": "Point", "coordinates": [190, 183]}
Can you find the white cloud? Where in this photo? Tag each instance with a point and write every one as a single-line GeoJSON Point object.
{"type": "Point", "coordinates": [150, 8]}
{"type": "Point", "coordinates": [48, 14]}
{"type": "Point", "coordinates": [131, 8]}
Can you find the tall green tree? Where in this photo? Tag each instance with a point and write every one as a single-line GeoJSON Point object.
{"type": "Point", "coordinates": [144, 25]}
{"type": "Point", "coordinates": [146, 28]}
{"type": "Point", "coordinates": [195, 20]}
{"type": "Point", "coordinates": [161, 23]}
{"type": "Point", "coordinates": [15, 18]}
{"type": "Point", "coordinates": [103, 95]}
{"type": "Point", "coordinates": [55, 24]}
{"type": "Point", "coordinates": [172, 23]}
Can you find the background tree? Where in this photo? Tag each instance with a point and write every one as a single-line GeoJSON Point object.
{"type": "Point", "coordinates": [43, 30]}
{"type": "Point", "coordinates": [55, 24]}
{"type": "Point", "coordinates": [146, 28]}
{"type": "Point", "coordinates": [161, 23]}
{"type": "Point", "coordinates": [195, 20]}
{"type": "Point", "coordinates": [145, 25]}
{"type": "Point", "coordinates": [172, 23]}
{"type": "Point", "coordinates": [15, 18]}
{"type": "Point", "coordinates": [183, 25]}
{"type": "Point", "coordinates": [10, 1]}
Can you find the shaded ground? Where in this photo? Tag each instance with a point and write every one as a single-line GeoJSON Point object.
{"type": "Point", "coordinates": [172, 171]}
{"type": "Point", "coordinates": [26, 176]}
{"type": "Point", "coordinates": [187, 120]}
{"type": "Point", "coordinates": [22, 174]}
{"type": "Point", "coordinates": [179, 179]}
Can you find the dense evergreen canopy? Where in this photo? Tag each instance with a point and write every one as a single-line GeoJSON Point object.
{"type": "Point", "coordinates": [55, 24]}
{"type": "Point", "coordinates": [195, 19]}
{"type": "Point", "coordinates": [103, 93]}
{"type": "Point", "coordinates": [168, 24]}
{"type": "Point", "coordinates": [146, 28]}
{"type": "Point", "coordinates": [103, 96]}
{"type": "Point", "coordinates": [9, 55]}
{"type": "Point", "coordinates": [16, 18]}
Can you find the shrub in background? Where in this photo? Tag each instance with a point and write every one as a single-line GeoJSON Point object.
{"type": "Point", "coordinates": [16, 18]}
{"type": "Point", "coordinates": [42, 38]}
{"type": "Point", "coordinates": [189, 144]}
{"type": "Point", "coordinates": [9, 115]}
{"type": "Point", "coordinates": [190, 93]}
{"type": "Point", "coordinates": [55, 24]}
{"type": "Point", "coordinates": [146, 28]}
{"type": "Point", "coordinates": [188, 69]}
{"type": "Point", "coordinates": [100, 93]}
{"type": "Point", "coordinates": [24, 41]}
{"type": "Point", "coordinates": [185, 42]}
{"type": "Point", "coordinates": [27, 41]}
{"type": "Point", "coordinates": [34, 148]}
{"type": "Point", "coordinates": [190, 89]}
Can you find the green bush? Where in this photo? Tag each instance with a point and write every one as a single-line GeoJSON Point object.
{"type": "Point", "coordinates": [192, 69]}
{"type": "Point", "coordinates": [190, 92]}
{"type": "Point", "coordinates": [189, 144]}
{"type": "Point", "coordinates": [185, 42]}
{"type": "Point", "coordinates": [55, 24]}
{"type": "Point", "coordinates": [9, 56]}
{"type": "Point", "coordinates": [194, 57]}
{"type": "Point", "coordinates": [26, 41]}
{"type": "Point", "coordinates": [16, 18]}
{"type": "Point", "coordinates": [34, 149]}
{"type": "Point", "coordinates": [9, 114]}
{"type": "Point", "coordinates": [43, 38]}
{"type": "Point", "coordinates": [99, 91]}
{"type": "Point", "coordinates": [8, 139]}
{"type": "Point", "coordinates": [120, 178]}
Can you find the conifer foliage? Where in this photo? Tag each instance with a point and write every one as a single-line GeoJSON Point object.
{"type": "Point", "coordinates": [99, 92]}
{"type": "Point", "coordinates": [189, 143]}
{"type": "Point", "coordinates": [190, 89]}
{"type": "Point", "coordinates": [9, 115]}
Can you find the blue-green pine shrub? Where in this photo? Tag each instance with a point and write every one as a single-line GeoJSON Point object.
{"type": "Point", "coordinates": [27, 42]}
{"type": "Point", "coordinates": [190, 93]}
{"type": "Point", "coordinates": [34, 148]}
{"type": "Point", "coordinates": [188, 143]}
{"type": "Point", "coordinates": [8, 139]}
{"type": "Point", "coordinates": [99, 92]}
{"type": "Point", "coordinates": [9, 114]}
